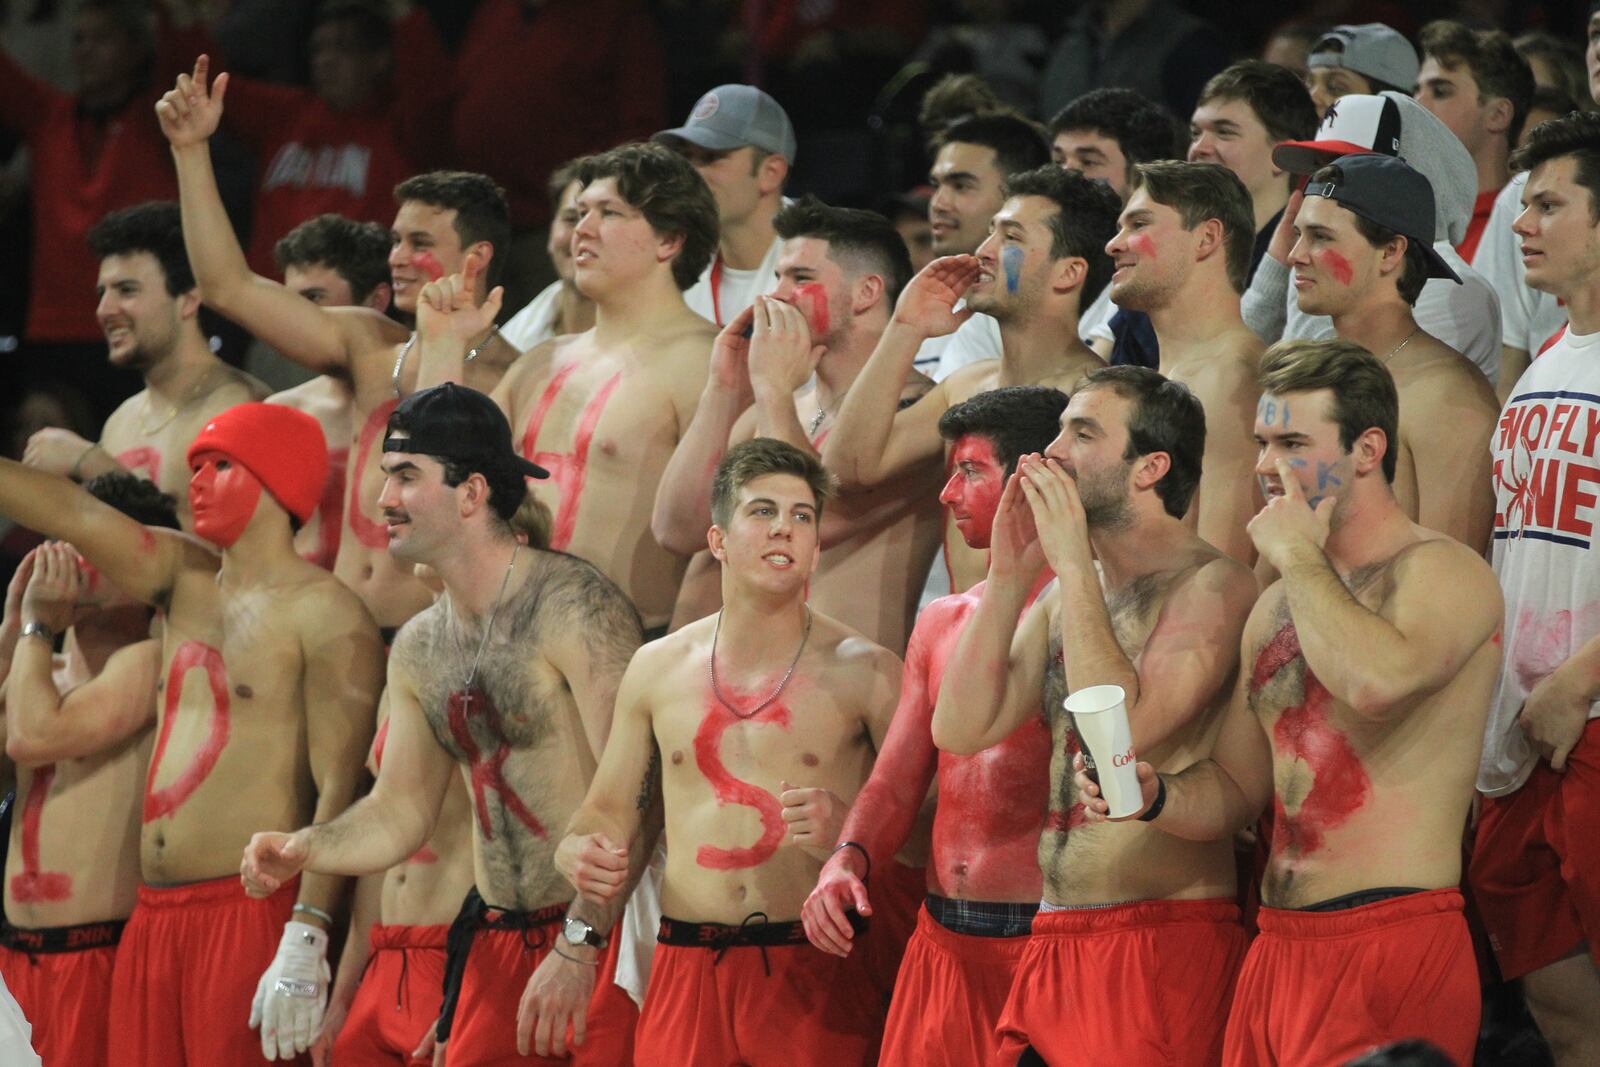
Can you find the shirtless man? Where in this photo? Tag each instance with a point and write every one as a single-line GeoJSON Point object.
{"type": "Point", "coordinates": [332, 261]}
{"type": "Point", "coordinates": [1362, 257]}
{"type": "Point", "coordinates": [443, 218]}
{"type": "Point", "coordinates": [72, 873]}
{"type": "Point", "coordinates": [742, 143]}
{"type": "Point", "coordinates": [1182, 256]}
{"type": "Point", "coordinates": [1535, 863]}
{"type": "Point", "coordinates": [753, 769]}
{"type": "Point", "coordinates": [838, 278]}
{"type": "Point", "coordinates": [1369, 668]}
{"type": "Point", "coordinates": [1045, 250]}
{"type": "Point", "coordinates": [1142, 603]}
{"type": "Point", "coordinates": [983, 883]}
{"type": "Point", "coordinates": [604, 409]}
{"type": "Point", "coordinates": [150, 312]}
{"type": "Point", "coordinates": [269, 675]}
{"type": "Point", "coordinates": [541, 635]}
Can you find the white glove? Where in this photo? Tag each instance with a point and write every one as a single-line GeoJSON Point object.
{"type": "Point", "coordinates": [293, 992]}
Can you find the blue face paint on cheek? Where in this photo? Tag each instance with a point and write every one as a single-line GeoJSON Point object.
{"type": "Point", "coordinates": [1011, 263]}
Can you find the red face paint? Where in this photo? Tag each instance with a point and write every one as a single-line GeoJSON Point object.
{"type": "Point", "coordinates": [223, 500]}
{"type": "Point", "coordinates": [34, 886]}
{"type": "Point", "coordinates": [144, 458]}
{"type": "Point", "coordinates": [464, 709]}
{"type": "Point", "coordinates": [812, 300]}
{"type": "Point", "coordinates": [159, 803]}
{"type": "Point", "coordinates": [428, 264]}
{"type": "Point", "coordinates": [368, 532]}
{"type": "Point", "coordinates": [1144, 245]}
{"type": "Point", "coordinates": [330, 510]}
{"type": "Point", "coordinates": [379, 739]}
{"type": "Point", "coordinates": [973, 498]}
{"type": "Point", "coordinates": [730, 790]}
{"type": "Point", "coordinates": [1335, 264]}
{"type": "Point", "coordinates": [1340, 786]}
{"type": "Point", "coordinates": [568, 470]}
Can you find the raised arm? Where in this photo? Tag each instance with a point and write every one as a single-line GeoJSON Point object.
{"type": "Point", "coordinates": [321, 340]}
{"type": "Point", "coordinates": [142, 562]}
{"type": "Point", "coordinates": [995, 677]}
{"type": "Point", "coordinates": [872, 440]}
{"type": "Point", "coordinates": [449, 319]}
{"type": "Point", "coordinates": [782, 360]}
{"type": "Point", "coordinates": [42, 724]}
{"type": "Point", "coordinates": [1228, 493]}
{"type": "Point", "coordinates": [683, 497]}
{"type": "Point", "coordinates": [1446, 603]}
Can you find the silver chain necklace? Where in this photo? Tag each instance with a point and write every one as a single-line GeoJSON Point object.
{"type": "Point", "coordinates": [505, 579]}
{"type": "Point", "coordinates": [717, 690]}
{"type": "Point", "coordinates": [1396, 349]}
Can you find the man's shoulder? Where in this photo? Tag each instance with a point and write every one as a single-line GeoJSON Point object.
{"type": "Point", "coordinates": [848, 650]}
{"type": "Point", "coordinates": [325, 605]}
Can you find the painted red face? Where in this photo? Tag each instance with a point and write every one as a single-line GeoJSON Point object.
{"type": "Point", "coordinates": [812, 300]}
{"type": "Point", "coordinates": [223, 496]}
{"type": "Point", "coordinates": [972, 494]}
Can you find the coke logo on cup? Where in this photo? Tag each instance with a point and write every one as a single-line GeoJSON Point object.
{"type": "Point", "coordinates": [1122, 759]}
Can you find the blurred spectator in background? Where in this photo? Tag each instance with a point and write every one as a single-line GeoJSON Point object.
{"type": "Point", "coordinates": [1289, 46]}
{"type": "Point", "coordinates": [1556, 63]}
{"type": "Point", "coordinates": [909, 213]}
{"type": "Point", "coordinates": [1480, 87]}
{"type": "Point", "coordinates": [1548, 103]}
{"type": "Point", "coordinates": [375, 115]}
{"type": "Point", "coordinates": [1007, 52]}
{"type": "Point", "coordinates": [1365, 59]}
{"type": "Point", "coordinates": [540, 83]}
{"type": "Point", "coordinates": [1153, 46]}
{"type": "Point", "coordinates": [92, 152]}
{"type": "Point", "coordinates": [559, 308]}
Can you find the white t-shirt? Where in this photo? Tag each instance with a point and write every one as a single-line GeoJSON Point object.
{"type": "Point", "coordinates": [736, 289]}
{"type": "Point", "coordinates": [1095, 322]}
{"type": "Point", "coordinates": [1547, 502]}
{"type": "Point", "coordinates": [16, 1033]}
{"type": "Point", "coordinates": [537, 321]}
{"type": "Point", "coordinates": [1466, 317]}
{"type": "Point", "coordinates": [1528, 317]}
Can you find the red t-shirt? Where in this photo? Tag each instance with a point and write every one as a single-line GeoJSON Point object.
{"type": "Point", "coordinates": [312, 159]}
{"type": "Point", "coordinates": [83, 167]}
{"type": "Point", "coordinates": [538, 88]}
{"type": "Point", "coordinates": [1481, 208]}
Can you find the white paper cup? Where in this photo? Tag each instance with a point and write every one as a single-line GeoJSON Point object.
{"type": "Point", "coordinates": [1100, 714]}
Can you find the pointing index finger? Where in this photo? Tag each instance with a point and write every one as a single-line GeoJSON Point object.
{"type": "Point", "coordinates": [1291, 484]}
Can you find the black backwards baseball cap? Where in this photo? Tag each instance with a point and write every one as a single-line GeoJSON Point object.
{"type": "Point", "coordinates": [1391, 193]}
{"type": "Point", "coordinates": [459, 424]}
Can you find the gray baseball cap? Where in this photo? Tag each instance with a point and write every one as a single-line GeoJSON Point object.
{"type": "Point", "coordinates": [732, 116]}
{"type": "Point", "coordinates": [1371, 49]}
{"type": "Point", "coordinates": [1391, 193]}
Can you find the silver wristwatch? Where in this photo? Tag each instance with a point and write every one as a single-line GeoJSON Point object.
{"type": "Point", "coordinates": [578, 932]}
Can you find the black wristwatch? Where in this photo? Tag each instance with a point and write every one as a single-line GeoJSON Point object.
{"type": "Point", "coordinates": [578, 932]}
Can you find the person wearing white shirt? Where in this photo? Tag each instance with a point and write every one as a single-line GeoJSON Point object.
{"type": "Point", "coordinates": [560, 308]}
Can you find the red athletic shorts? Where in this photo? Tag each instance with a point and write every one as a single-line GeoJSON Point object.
{"type": "Point", "coordinates": [948, 998]}
{"type": "Point", "coordinates": [765, 998]}
{"type": "Point", "coordinates": [397, 1000]}
{"type": "Point", "coordinates": [187, 970]}
{"type": "Point", "coordinates": [499, 964]}
{"type": "Point", "coordinates": [896, 899]}
{"type": "Point", "coordinates": [1535, 871]}
{"type": "Point", "coordinates": [1324, 987]}
{"type": "Point", "coordinates": [1131, 985]}
{"type": "Point", "coordinates": [61, 978]}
